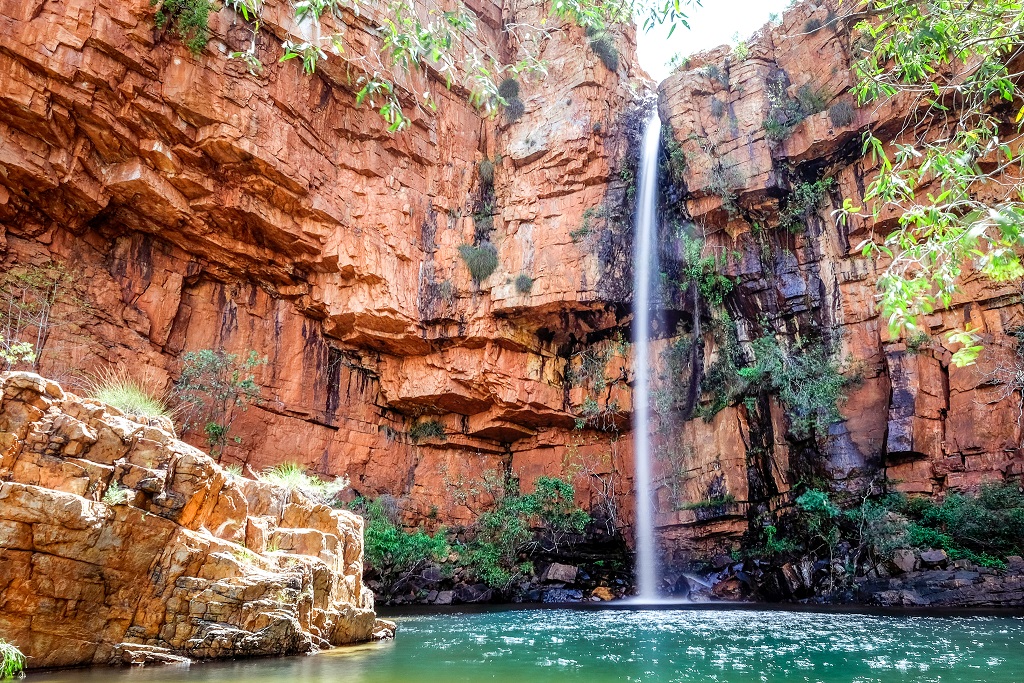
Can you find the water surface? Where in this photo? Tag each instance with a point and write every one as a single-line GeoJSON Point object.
{"type": "Point", "coordinates": [566, 646]}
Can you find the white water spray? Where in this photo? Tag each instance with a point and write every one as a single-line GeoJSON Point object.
{"type": "Point", "coordinates": [645, 264]}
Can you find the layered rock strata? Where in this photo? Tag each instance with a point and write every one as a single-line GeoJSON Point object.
{"type": "Point", "coordinates": [121, 544]}
{"type": "Point", "coordinates": [910, 417]}
{"type": "Point", "coordinates": [196, 206]}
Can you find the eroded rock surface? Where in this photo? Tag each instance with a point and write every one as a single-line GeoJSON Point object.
{"type": "Point", "coordinates": [186, 561]}
{"type": "Point", "coordinates": [198, 206]}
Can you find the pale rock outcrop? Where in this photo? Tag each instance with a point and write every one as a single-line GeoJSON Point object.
{"type": "Point", "coordinates": [194, 563]}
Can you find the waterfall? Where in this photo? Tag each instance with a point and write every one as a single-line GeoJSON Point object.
{"type": "Point", "coordinates": [645, 266]}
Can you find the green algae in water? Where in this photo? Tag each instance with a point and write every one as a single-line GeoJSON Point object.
{"type": "Point", "coordinates": [564, 646]}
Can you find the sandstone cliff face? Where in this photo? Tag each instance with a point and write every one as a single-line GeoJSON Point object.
{"type": "Point", "coordinates": [911, 417]}
{"type": "Point", "coordinates": [189, 562]}
{"type": "Point", "coordinates": [196, 206]}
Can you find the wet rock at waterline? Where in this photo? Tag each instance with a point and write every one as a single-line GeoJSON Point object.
{"type": "Point", "coordinates": [121, 544]}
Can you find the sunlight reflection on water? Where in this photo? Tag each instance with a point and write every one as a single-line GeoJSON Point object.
{"type": "Point", "coordinates": [643, 645]}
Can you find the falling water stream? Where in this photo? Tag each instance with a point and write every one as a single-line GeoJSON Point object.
{"type": "Point", "coordinates": [645, 265]}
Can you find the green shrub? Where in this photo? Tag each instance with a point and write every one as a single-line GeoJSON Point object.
{"type": "Point", "coordinates": [389, 549]}
{"type": "Point", "coordinates": [427, 429]}
{"type": "Point", "coordinates": [918, 342]}
{"type": "Point", "coordinates": [590, 215]}
{"type": "Point", "coordinates": [704, 271]}
{"type": "Point", "coordinates": [723, 182]}
{"type": "Point", "coordinates": [296, 478]}
{"type": "Point", "coordinates": [722, 383]}
{"type": "Point", "coordinates": [806, 380]}
{"type": "Point", "coordinates": [508, 89]}
{"type": "Point", "coordinates": [603, 46]}
{"type": "Point", "coordinates": [811, 99]}
{"type": "Point", "coordinates": [187, 19]}
{"type": "Point", "coordinates": [784, 113]}
{"type": "Point", "coordinates": [841, 114]}
{"type": "Point", "coordinates": [212, 384]}
{"type": "Point", "coordinates": [481, 260]}
{"type": "Point", "coordinates": [803, 201]}
{"type": "Point", "coordinates": [485, 170]}
{"type": "Point", "coordinates": [709, 504]}
{"type": "Point", "coordinates": [503, 534]}
{"type": "Point", "coordinates": [12, 662]}
{"type": "Point", "coordinates": [675, 168]}
{"type": "Point", "coordinates": [116, 494]}
{"type": "Point", "coordinates": [524, 283]}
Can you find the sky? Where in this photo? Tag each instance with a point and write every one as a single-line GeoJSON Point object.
{"type": "Point", "coordinates": [713, 24]}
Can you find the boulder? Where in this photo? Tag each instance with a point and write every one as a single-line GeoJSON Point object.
{"type": "Point", "coordinates": [603, 593]}
{"type": "Point", "coordinates": [559, 573]}
{"type": "Point", "coordinates": [904, 560]}
{"type": "Point", "coordinates": [934, 558]}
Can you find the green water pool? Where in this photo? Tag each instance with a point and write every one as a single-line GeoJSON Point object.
{"type": "Point", "coordinates": [592, 646]}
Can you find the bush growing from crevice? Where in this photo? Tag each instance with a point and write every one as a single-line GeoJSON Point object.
{"type": "Point", "coordinates": [189, 20]}
{"type": "Point", "coordinates": [811, 100]}
{"type": "Point", "coordinates": [116, 494]}
{"type": "Point", "coordinates": [703, 271]}
{"type": "Point", "coordinates": [603, 45]}
{"type": "Point", "coordinates": [803, 201]}
{"type": "Point", "coordinates": [785, 112]}
{"type": "Point", "coordinates": [514, 110]}
{"type": "Point", "coordinates": [841, 114]}
{"type": "Point", "coordinates": [427, 429]}
{"type": "Point", "coordinates": [716, 73]}
{"type": "Point", "coordinates": [806, 380]}
{"type": "Point", "coordinates": [481, 260]}
{"type": "Point", "coordinates": [212, 385]}
{"type": "Point", "coordinates": [508, 89]}
{"type": "Point", "coordinates": [524, 283]}
{"type": "Point", "coordinates": [723, 183]}
{"type": "Point", "coordinates": [485, 171]}
{"type": "Point", "coordinates": [812, 25]}
{"type": "Point", "coordinates": [674, 158]}
{"type": "Point", "coordinates": [590, 215]}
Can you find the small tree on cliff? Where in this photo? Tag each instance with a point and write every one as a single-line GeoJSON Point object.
{"type": "Point", "coordinates": [213, 384]}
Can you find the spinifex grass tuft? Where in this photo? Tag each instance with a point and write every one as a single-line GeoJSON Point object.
{"type": "Point", "coordinates": [118, 388]}
{"type": "Point", "coordinates": [12, 662]}
{"type": "Point", "coordinates": [295, 477]}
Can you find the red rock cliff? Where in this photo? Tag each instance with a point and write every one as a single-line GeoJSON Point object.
{"type": "Point", "coordinates": [197, 206]}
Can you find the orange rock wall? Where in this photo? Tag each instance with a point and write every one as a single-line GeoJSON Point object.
{"type": "Point", "coordinates": [197, 206]}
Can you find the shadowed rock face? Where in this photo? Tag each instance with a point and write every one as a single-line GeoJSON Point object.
{"type": "Point", "coordinates": [911, 417]}
{"type": "Point", "coordinates": [189, 562]}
